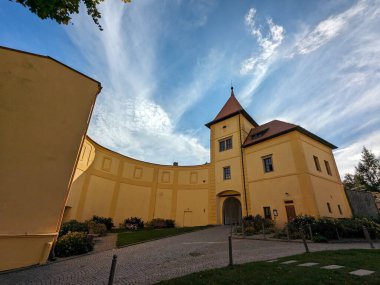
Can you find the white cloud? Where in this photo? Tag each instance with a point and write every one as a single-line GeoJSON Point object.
{"type": "Point", "coordinates": [328, 29]}
{"type": "Point", "coordinates": [348, 157]}
{"type": "Point", "coordinates": [127, 117]}
{"type": "Point", "coordinates": [259, 63]}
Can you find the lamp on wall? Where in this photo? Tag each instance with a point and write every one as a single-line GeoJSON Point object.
{"type": "Point", "coordinates": [286, 194]}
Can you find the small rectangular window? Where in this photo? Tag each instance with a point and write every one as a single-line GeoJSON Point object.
{"type": "Point", "coordinates": [267, 213]}
{"type": "Point", "coordinates": [340, 210]}
{"type": "Point", "coordinates": [317, 165]}
{"type": "Point", "coordinates": [222, 146]}
{"type": "Point", "coordinates": [268, 164]}
{"type": "Point", "coordinates": [329, 207]}
{"type": "Point", "coordinates": [226, 173]}
{"type": "Point", "coordinates": [328, 167]}
{"type": "Point", "coordinates": [228, 143]}
{"type": "Point", "coordinates": [225, 144]}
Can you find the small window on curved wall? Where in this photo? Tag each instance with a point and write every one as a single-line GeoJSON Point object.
{"type": "Point", "coordinates": [328, 169]}
{"type": "Point", "coordinates": [340, 210]}
{"type": "Point", "coordinates": [106, 165]}
{"type": "Point", "coordinates": [316, 162]}
{"type": "Point", "coordinates": [329, 207]}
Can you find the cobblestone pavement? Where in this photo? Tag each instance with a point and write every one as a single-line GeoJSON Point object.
{"type": "Point", "coordinates": [151, 262]}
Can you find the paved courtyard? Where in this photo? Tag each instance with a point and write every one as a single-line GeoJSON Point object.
{"type": "Point", "coordinates": [151, 262]}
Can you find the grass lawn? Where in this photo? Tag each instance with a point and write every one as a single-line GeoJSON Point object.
{"type": "Point", "coordinates": [275, 273]}
{"type": "Point", "coordinates": [126, 238]}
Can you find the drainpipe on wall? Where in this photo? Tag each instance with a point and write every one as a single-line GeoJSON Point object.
{"type": "Point", "coordinates": [243, 171]}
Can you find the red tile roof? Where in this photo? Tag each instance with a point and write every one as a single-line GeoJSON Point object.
{"type": "Point", "coordinates": [230, 109]}
{"type": "Point", "coordinates": [276, 128]}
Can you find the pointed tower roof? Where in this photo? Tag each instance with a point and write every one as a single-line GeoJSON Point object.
{"type": "Point", "coordinates": [230, 109]}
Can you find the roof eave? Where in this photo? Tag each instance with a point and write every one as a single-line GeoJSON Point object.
{"type": "Point", "coordinates": [243, 112]}
{"type": "Point", "coordinates": [299, 129]}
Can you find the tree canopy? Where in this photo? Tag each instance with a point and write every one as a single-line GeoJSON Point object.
{"type": "Point", "coordinates": [62, 10]}
{"type": "Point", "coordinates": [367, 173]}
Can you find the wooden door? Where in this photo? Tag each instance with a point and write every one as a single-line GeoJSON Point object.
{"type": "Point", "coordinates": [231, 211]}
{"type": "Point", "coordinates": [290, 212]}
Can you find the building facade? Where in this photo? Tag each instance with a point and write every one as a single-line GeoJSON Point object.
{"type": "Point", "coordinates": [277, 170]}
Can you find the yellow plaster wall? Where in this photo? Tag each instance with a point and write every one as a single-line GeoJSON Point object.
{"type": "Point", "coordinates": [44, 113]}
{"type": "Point", "coordinates": [294, 178]}
{"type": "Point", "coordinates": [192, 209]}
{"type": "Point", "coordinates": [124, 187]}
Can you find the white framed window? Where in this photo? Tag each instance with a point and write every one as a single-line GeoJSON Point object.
{"type": "Point", "coordinates": [225, 144]}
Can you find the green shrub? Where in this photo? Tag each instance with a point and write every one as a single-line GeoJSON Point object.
{"type": "Point", "coordinates": [302, 221]}
{"type": "Point", "coordinates": [249, 230]}
{"type": "Point", "coordinates": [97, 228]}
{"type": "Point", "coordinates": [333, 229]}
{"type": "Point", "coordinates": [73, 226]}
{"type": "Point", "coordinates": [170, 223]}
{"type": "Point", "coordinates": [102, 220]}
{"type": "Point", "coordinates": [157, 223]}
{"type": "Point", "coordinates": [320, 239]}
{"type": "Point", "coordinates": [326, 227]}
{"type": "Point", "coordinates": [73, 243]}
{"type": "Point", "coordinates": [134, 223]}
{"type": "Point", "coordinates": [257, 223]}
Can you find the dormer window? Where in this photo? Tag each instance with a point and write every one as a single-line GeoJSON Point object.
{"type": "Point", "coordinates": [225, 144]}
{"type": "Point", "coordinates": [259, 134]}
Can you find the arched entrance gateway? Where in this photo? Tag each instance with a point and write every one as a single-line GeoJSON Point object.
{"type": "Point", "coordinates": [231, 211]}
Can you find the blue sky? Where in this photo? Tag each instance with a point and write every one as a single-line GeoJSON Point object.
{"type": "Point", "coordinates": [166, 69]}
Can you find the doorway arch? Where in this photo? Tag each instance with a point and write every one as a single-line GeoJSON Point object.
{"type": "Point", "coordinates": [231, 211]}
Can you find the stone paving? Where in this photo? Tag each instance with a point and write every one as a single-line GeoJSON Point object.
{"type": "Point", "coordinates": [105, 243]}
{"type": "Point", "coordinates": [163, 259]}
{"type": "Point", "coordinates": [359, 272]}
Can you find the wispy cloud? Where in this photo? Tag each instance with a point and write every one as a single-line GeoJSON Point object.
{"type": "Point", "coordinates": [127, 117]}
{"type": "Point", "coordinates": [333, 80]}
{"type": "Point", "coordinates": [259, 63]}
{"type": "Point", "coordinates": [328, 29]}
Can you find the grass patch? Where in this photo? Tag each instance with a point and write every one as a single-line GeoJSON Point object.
{"type": "Point", "coordinates": [126, 238]}
{"type": "Point", "coordinates": [276, 273]}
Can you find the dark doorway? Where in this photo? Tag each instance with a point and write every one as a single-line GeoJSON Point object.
{"type": "Point", "coordinates": [231, 211]}
{"type": "Point", "coordinates": [290, 212]}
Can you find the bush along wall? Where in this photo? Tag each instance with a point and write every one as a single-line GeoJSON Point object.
{"type": "Point", "coordinates": [73, 226]}
{"type": "Point", "coordinates": [134, 223]}
{"type": "Point", "coordinates": [160, 224]}
{"type": "Point", "coordinates": [254, 225]}
{"type": "Point", "coordinates": [108, 222]}
{"type": "Point", "coordinates": [324, 229]}
{"type": "Point", "coordinates": [73, 243]}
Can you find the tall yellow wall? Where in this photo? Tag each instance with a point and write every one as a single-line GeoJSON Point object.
{"type": "Point", "coordinates": [112, 185]}
{"type": "Point", "coordinates": [327, 188]}
{"type": "Point", "coordinates": [44, 113]}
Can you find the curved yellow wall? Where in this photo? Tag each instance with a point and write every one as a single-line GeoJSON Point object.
{"type": "Point", "coordinates": [44, 113]}
{"type": "Point", "coordinates": [112, 185]}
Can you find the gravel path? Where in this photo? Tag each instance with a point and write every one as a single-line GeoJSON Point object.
{"type": "Point", "coordinates": [154, 261]}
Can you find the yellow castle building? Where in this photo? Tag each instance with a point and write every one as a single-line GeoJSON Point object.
{"type": "Point", "coordinates": [50, 171]}
{"type": "Point", "coordinates": [277, 170]}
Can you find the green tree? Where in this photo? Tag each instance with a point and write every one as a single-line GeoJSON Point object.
{"type": "Point", "coordinates": [61, 10]}
{"type": "Point", "coordinates": [367, 173]}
